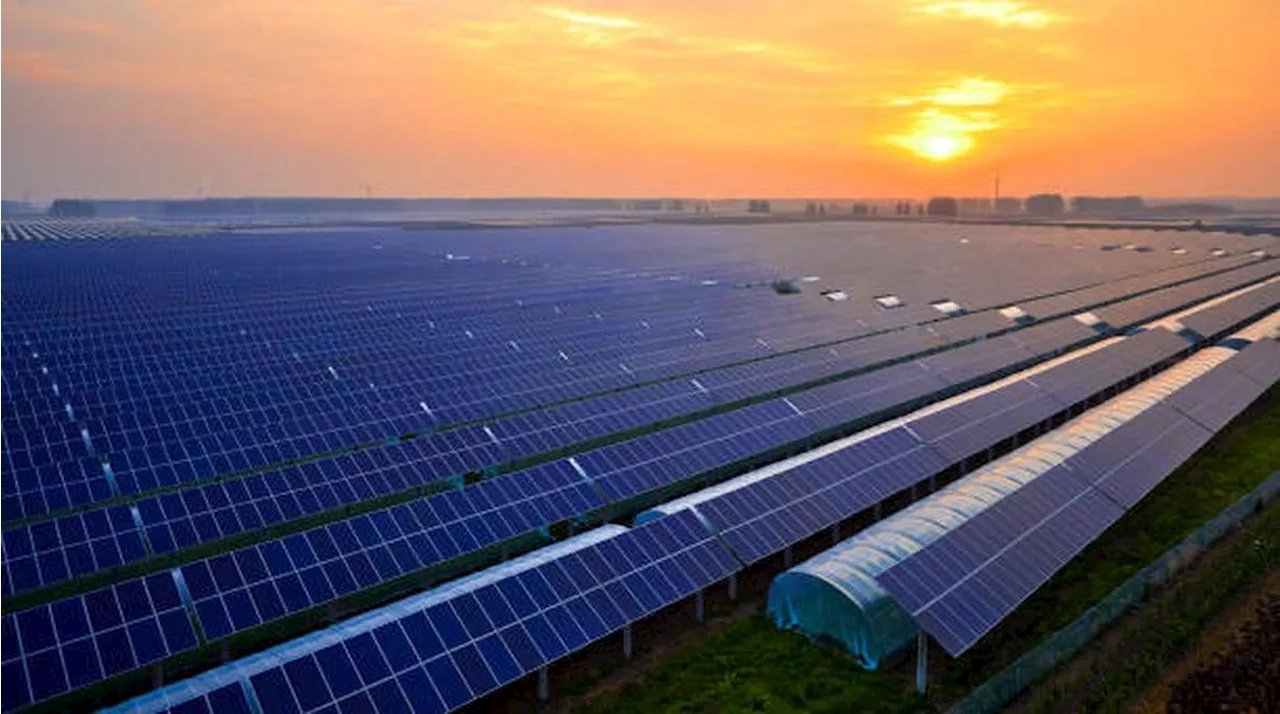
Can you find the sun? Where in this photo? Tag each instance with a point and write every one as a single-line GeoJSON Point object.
{"type": "Point", "coordinates": [941, 137]}
{"type": "Point", "coordinates": [938, 147]}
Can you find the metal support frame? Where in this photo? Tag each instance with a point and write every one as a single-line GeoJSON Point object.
{"type": "Point", "coordinates": [786, 557]}
{"type": "Point", "coordinates": [544, 684]}
{"type": "Point", "coordinates": [701, 606]}
{"type": "Point", "coordinates": [733, 586]}
{"type": "Point", "coordinates": [835, 534]}
{"type": "Point", "coordinates": [626, 642]}
{"type": "Point", "coordinates": [922, 662]}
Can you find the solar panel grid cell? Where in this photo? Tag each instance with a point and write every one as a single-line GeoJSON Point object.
{"type": "Point", "coordinates": [52, 649]}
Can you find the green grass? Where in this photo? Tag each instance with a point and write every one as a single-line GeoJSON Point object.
{"type": "Point", "coordinates": [750, 666]}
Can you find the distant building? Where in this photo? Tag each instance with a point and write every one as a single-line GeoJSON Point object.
{"type": "Point", "coordinates": [675, 205]}
{"type": "Point", "coordinates": [1045, 204]}
{"type": "Point", "coordinates": [72, 208]}
{"type": "Point", "coordinates": [1108, 204]}
{"type": "Point", "coordinates": [943, 206]}
{"type": "Point", "coordinates": [759, 206]}
{"type": "Point", "coordinates": [975, 206]}
{"type": "Point", "coordinates": [1008, 206]}
{"type": "Point", "coordinates": [647, 205]}
{"type": "Point", "coordinates": [860, 209]}
{"type": "Point", "coordinates": [1193, 209]}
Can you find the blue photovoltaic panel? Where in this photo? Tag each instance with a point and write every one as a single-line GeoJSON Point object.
{"type": "Point", "coordinates": [974, 425]}
{"type": "Point", "coordinates": [1013, 571]}
{"type": "Point", "coordinates": [931, 572]}
{"type": "Point", "coordinates": [68, 547]}
{"type": "Point", "coordinates": [224, 700]}
{"type": "Point", "coordinates": [1215, 320]}
{"type": "Point", "coordinates": [265, 582]}
{"type": "Point", "coordinates": [765, 516]}
{"type": "Point", "coordinates": [1163, 445]}
{"type": "Point", "coordinates": [1259, 361]}
{"type": "Point", "coordinates": [73, 643]}
{"type": "Point", "coordinates": [650, 462]}
{"type": "Point", "coordinates": [446, 648]}
{"type": "Point", "coordinates": [840, 403]}
{"type": "Point", "coordinates": [1054, 336]}
{"type": "Point", "coordinates": [1216, 397]}
{"type": "Point", "coordinates": [1120, 443]}
{"type": "Point", "coordinates": [967, 363]}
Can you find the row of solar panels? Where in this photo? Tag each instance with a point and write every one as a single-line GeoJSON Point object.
{"type": "Point", "coordinates": [445, 648]}
{"type": "Point", "coordinates": [52, 229]}
{"type": "Point", "coordinates": [35, 554]}
{"type": "Point", "coordinates": [164, 464]}
{"type": "Point", "coordinates": [167, 463]}
{"type": "Point", "coordinates": [46, 553]}
{"type": "Point", "coordinates": [962, 585]}
{"type": "Point", "coordinates": [238, 591]}
{"type": "Point", "coordinates": [155, 372]}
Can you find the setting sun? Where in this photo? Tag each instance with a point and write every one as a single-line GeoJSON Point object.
{"type": "Point", "coordinates": [941, 136]}
{"type": "Point", "coordinates": [942, 148]}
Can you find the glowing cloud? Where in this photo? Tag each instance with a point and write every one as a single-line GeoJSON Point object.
{"type": "Point", "coordinates": [968, 92]}
{"type": "Point", "coordinates": [606, 22]}
{"type": "Point", "coordinates": [1005, 13]}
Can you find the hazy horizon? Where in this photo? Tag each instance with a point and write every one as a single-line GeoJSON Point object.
{"type": "Point", "coordinates": [638, 99]}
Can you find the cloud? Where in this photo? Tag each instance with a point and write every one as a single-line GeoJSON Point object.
{"type": "Point", "coordinates": [590, 20]}
{"type": "Point", "coordinates": [1005, 13]}
{"type": "Point", "coordinates": [968, 92]}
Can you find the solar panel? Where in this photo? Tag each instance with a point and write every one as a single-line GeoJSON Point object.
{"type": "Point", "coordinates": [973, 606]}
{"type": "Point", "coordinates": [1163, 444]}
{"type": "Point", "coordinates": [1259, 361]}
{"type": "Point", "coordinates": [452, 645]}
{"type": "Point", "coordinates": [765, 516]}
{"type": "Point", "coordinates": [974, 425]}
{"type": "Point", "coordinates": [1216, 397]}
{"type": "Point", "coordinates": [1220, 318]}
{"type": "Point", "coordinates": [963, 584]}
{"type": "Point", "coordinates": [73, 643]}
{"type": "Point", "coordinates": [965, 364]}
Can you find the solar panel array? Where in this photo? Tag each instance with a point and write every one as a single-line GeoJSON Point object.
{"type": "Point", "coordinates": [962, 585]}
{"type": "Point", "coordinates": [63, 229]}
{"type": "Point", "coordinates": [275, 424]}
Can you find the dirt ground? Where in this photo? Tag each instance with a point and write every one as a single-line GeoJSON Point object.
{"type": "Point", "coordinates": [1234, 665]}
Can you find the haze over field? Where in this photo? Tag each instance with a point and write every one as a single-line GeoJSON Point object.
{"type": "Point", "coordinates": [635, 97]}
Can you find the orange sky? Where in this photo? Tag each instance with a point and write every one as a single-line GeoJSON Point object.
{"type": "Point", "coordinates": [627, 97]}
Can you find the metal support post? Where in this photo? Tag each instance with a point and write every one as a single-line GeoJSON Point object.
{"type": "Point", "coordinates": [786, 557]}
{"type": "Point", "coordinates": [544, 685]}
{"type": "Point", "coordinates": [702, 606]}
{"type": "Point", "coordinates": [835, 534]}
{"type": "Point", "coordinates": [922, 662]}
{"type": "Point", "coordinates": [733, 586]}
{"type": "Point", "coordinates": [626, 642]}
